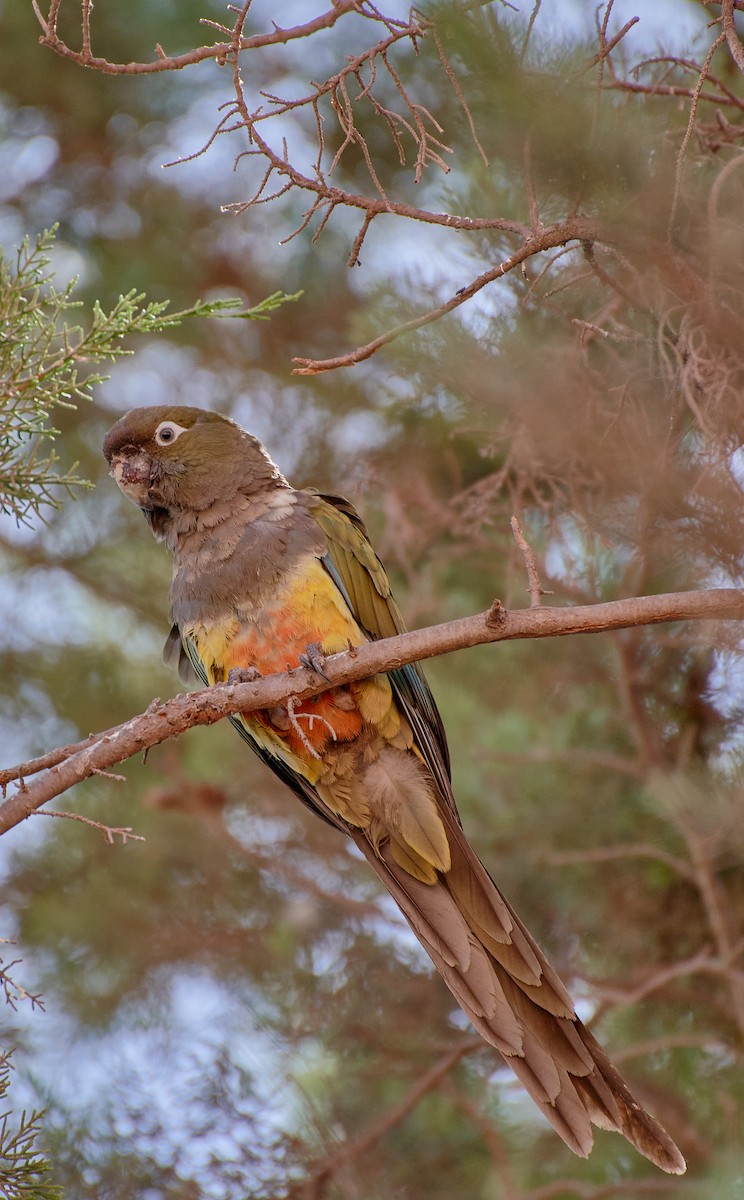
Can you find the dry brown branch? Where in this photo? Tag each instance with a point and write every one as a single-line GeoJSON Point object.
{"type": "Point", "coordinates": [702, 963]}
{"type": "Point", "coordinates": [658, 89]}
{"type": "Point", "coordinates": [738, 5]}
{"type": "Point", "coordinates": [219, 51]}
{"type": "Point", "coordinates": [723, 95]}
{"type": "Point", "coordinates": [10, 988]}
{"type": "Point", "coordinates": [606, 47]}
{"type": "Point", "coordinates": [577, 758]}
{"type": "Point", "coordinates": [575, 229]}
{"type": "Point", "coordinates": [44, 761]}
{"type": "Point", "coordinates": [729, 949]}
{"type": "Point", "coordinates": [528, 32]}
{"type": "Point", "coordinates": [688, 132]}
{"type": "Point", "coordinates": [603, 854]}
{"type": "Point", "coordinates": [460, 96]}
{"type": "Point", "coordinates": [535, 587]}
{"type": "Point", "coordinates": [372, 205]}
{"type": "Point", "coordinates": [429, 148]}
{"type": "Point", "coordinates": [415, 121]}
{"type": "Point", "coordinates": [355, 84]}
{"type": "Point", "coordinates": [313, 1187]}
{"type": "Point", "coordinates": [110, 832]}
{"type": "Point", "coordinates": [728, 25]}
{"type": "Point", "coordinates": [166, 720]}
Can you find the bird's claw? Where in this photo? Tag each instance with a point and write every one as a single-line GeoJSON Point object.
{"type": "Point", "coordinates": [314, 659]}
{"type": "Point", "coordinates": [243, 675]}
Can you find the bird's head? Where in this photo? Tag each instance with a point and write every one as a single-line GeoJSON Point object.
{"type": "Point", "coordinates": [172, 459]}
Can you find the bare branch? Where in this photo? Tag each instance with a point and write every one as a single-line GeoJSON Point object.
{"type": "Point", "coordinates": [576, 228]}
{"type": "Point", "coordinates": [606, 47]}
{"type": "Point", "coordinates": [166, 720]}
{"type": "Point", "coordinates": [604, 854]}
{"type": "Point", "coordinates": [530, 562]}
{"type": "Point", "coordinates": [10, 988]}
{"type": "Point", "coordinates": [110, 832]}
{"type": "Point", "coordinates": [459, 93]}
{"type": "Point", "coordinates": [702, 963]}
{"type": "Point", "coordinates": [219, 50]}
{"type": "Point", "coordinates": [320, 1175]}
{"type": "Point", "coordinates": [44, 761]}
{"type": "Point", "coordinates": [373, 205]}
{"type": "Point", "coordinates": [690, 126]}
{"type": "Point", "coordinates": [728, 25]}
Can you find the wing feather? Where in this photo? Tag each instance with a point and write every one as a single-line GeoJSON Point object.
{"type": "Point", "coordinates": [360, 576]}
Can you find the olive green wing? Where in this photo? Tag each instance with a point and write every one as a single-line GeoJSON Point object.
{"type": "Point", "coordinates": [358, 573]}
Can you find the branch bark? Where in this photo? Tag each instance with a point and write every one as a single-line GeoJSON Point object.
{"type": "Point", "coordinates": [164, 62]}
{"type": "Point", "coordinates": [314, 1186]}
{"type": "Point", "coordinates": [164, 720]}
{"type": "Point", "coordinates": [577, 228]}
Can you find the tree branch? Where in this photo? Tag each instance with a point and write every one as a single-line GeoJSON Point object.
{"type": "Point", "coordinates": [574, 229]}
{"type": "Point", "coordinates": [729, 31]}
{"type": "Point", "coordinates": [166, 720]}
{"type": "Point", "coordinates": [219, 51]}
{"type": "Point", "coordinates": [313, 1187]}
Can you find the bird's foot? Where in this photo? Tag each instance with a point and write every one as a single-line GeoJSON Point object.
{"type": "Point", "coordinates": [243, 675]}
{"type": "Point", "coordinates": [314, 659]}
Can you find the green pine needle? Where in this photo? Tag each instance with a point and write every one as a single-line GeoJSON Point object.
{"type": "Point", "coordinates": [45, 364]}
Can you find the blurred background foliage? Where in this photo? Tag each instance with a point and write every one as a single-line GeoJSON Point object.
{"type": "Point", "coordinates": [231, 1008]}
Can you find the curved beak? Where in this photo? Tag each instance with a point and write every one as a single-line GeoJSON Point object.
{"type": "Point", "coordinates": [134, 475]}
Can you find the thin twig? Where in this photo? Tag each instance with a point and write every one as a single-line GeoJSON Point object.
{"type": "Point", "coordinates": [688, 132]}
{"type": "Point", "coordinates": [626, 850]}
{"type": "Point", "coordinates": [458, 92]}
{"type": "Point", "coordinates": [110, 832]}
{"type": "Point", "coordinates": [530, 562]}
{"type": "Point", "coordinates": [577, 228]}
{"type": "Point", "coordinates": [606, 48]}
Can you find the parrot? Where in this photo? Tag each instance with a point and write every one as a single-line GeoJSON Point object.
{"type": "Point", "coordinates": [266, 577]}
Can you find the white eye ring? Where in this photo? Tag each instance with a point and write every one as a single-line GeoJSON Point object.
{"type": "Point", "coordinates": [167, 432]}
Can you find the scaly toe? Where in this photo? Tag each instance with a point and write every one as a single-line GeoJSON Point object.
{"type": "Point", "coordinates": [314, 658]}
{"type": "Point", "coordinates": [243, 675]}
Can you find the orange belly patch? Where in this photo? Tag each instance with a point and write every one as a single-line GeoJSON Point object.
{"type": "Point", "coordinates": [275, 642]}
{"type": "Point", "coordinates": [274, 646]}
{"type": "Point", "coordinates": [314, 725]}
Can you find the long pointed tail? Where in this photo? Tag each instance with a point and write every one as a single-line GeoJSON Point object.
{"type": "Point", "coordinates": [502, 981]}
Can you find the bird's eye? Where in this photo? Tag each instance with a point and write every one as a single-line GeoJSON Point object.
{"type": "Point", "coordinates": [167, 432]}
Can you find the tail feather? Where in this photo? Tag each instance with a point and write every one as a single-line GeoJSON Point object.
{"type": "Point", "coordinates": [567, 1113]}
{"type": "Point", "coordinates": [490, 915]}
{"type": "Point", "coordinates": [502, 981]}
{"type": "Point", "coordinates": [637, 1125]}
